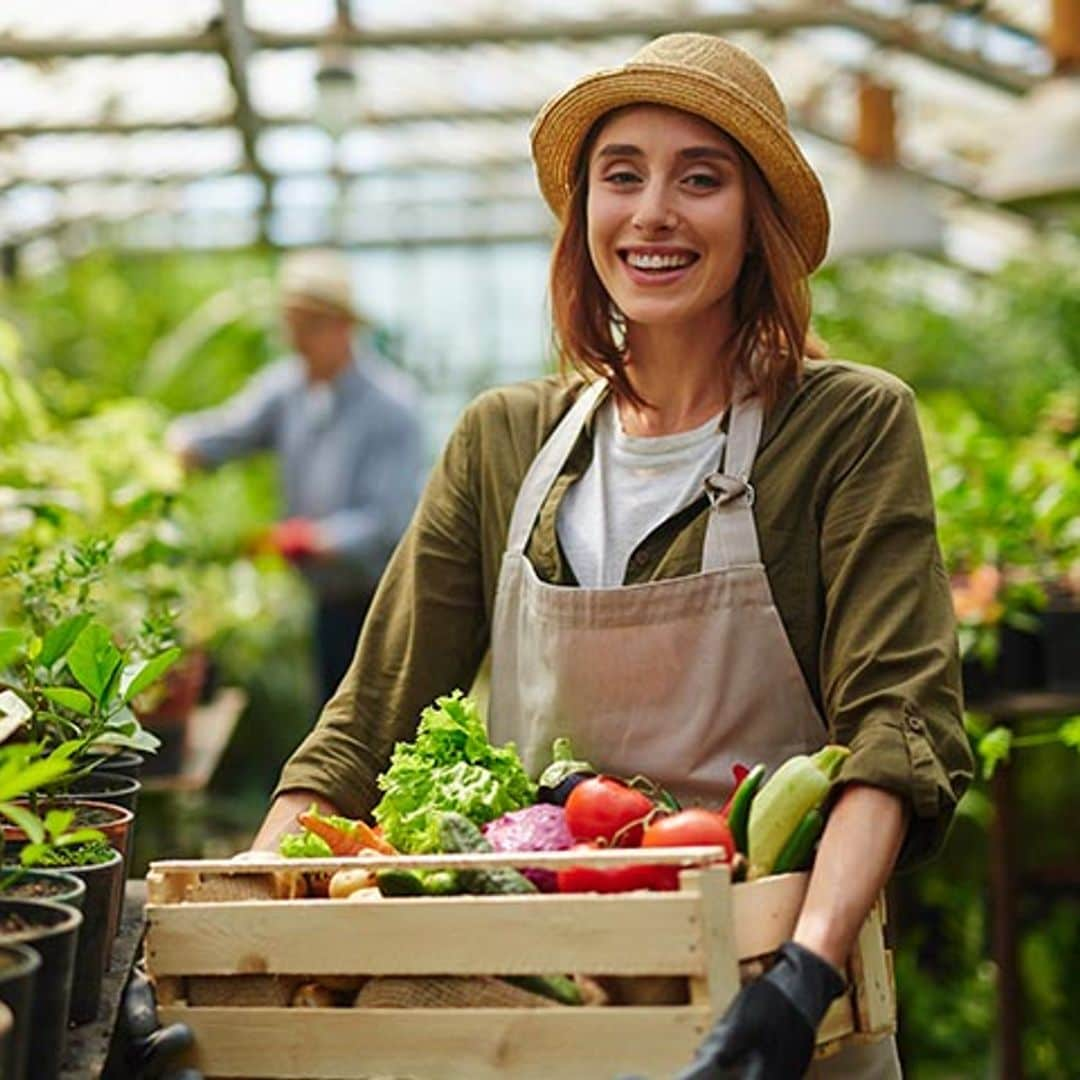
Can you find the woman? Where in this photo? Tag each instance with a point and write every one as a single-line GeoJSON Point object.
{"type": "Point", "coordinates": [701, 548]}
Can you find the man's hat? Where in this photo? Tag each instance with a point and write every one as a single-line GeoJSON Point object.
{"type": "Point", "coordinates": [708, 77]}
{"type": "Point", "coordinates": [318, 280]}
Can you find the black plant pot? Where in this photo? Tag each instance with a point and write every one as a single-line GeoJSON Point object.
{"type": "Point", "coordinates": [53, 935]}
{"type": "Point", "coordinates": [1061, 645]}
{"type": "Point", "coordinates": [104, 898]}
{"type": "Point", "coordinates": [108, 787]}
{"type": "Point", "coordinates": [125, 762]}
{"type": "Point", "coordinates": [19, 967]}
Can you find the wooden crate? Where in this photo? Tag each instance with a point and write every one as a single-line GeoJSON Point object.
{"type": "Point", "coordinates": [201, 936]}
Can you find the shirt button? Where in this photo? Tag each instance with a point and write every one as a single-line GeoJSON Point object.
{"type": "Point", "coordinates": [915, 723]}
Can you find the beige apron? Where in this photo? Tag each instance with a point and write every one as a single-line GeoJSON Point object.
{"type": "Point", "coordinates": [674, 679]}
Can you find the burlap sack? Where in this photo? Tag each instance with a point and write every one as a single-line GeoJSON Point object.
{"type": "Point", "coordinates": [447, 992]}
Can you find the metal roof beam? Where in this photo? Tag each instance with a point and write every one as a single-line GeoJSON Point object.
{"type": "Point", "coordinates": [236, 51]}
{"type": "Point", "coordinates": [891, 32]}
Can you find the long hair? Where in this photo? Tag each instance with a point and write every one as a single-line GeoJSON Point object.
{"type": "Point", "coordinates": [772, 297]}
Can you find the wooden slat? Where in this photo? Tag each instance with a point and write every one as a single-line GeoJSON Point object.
{"type": "Point", "coordinates": [446, 1044]}
{"type": "Point", "coordinates": [639, 934]}
{"type": "Point", "coordinates": [720, 982]}
{"type": "Point", "coordinates": [553, 860]}
{"type": "Point", "coordinates": [765, 912]}
{"type": "Point", "coordinates": [838, 1022]}
{"type": "Point", "coordinates": [871, 971]}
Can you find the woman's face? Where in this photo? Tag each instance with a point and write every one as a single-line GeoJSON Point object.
{"type": "Point", "coordinates": [666, 215]}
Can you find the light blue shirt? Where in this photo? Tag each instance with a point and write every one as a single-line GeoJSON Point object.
{"type": "Point", "coordinates": [350, 451]}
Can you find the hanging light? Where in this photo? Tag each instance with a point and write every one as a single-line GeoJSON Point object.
{"type": "Point", "coordinates": [878, 208]}
{"type": "Point", "coordinates": [1038, 166]}
{"type": "Point", "coordinates": [336, 102]}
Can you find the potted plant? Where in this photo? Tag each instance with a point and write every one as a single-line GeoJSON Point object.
{"type": "Point", "coordinates": [19, 965]}
{"type": "Point", "coordinates": [96, 868]}
{"type": "Point", "coordinates": [52, 930]}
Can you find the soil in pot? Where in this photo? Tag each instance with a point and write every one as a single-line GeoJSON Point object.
{"type": "Point", "coordinates": [20, 883]}
{"type": "Point", "coordinates": [52, 931]}
{"type": "Point", "coordinates": [19, 966]}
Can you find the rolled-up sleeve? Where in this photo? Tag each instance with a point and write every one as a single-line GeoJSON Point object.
{"type": "Point", "coordinates": [890, 669]}
{"type": "Point", "coordinates": [425, 634]}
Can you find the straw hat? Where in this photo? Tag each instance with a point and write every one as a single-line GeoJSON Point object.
{"type": "Point", "coordinates": [317, 280]}
{"type": "Point", "coordinates": [703, 75]}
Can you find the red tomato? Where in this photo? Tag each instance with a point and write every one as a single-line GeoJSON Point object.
{"type": "Point", "coordinates": [615, 879]}
{"type": "Point", "coordinates": [603, 808]}
{"type": "Point", "coordinates": [689, 828]}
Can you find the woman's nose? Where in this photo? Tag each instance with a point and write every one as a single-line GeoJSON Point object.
{"type": "Point", "coordinates": [654, 212]}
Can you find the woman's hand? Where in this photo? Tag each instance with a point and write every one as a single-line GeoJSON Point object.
{"type": "Point", "coordinates": [768, 1031]}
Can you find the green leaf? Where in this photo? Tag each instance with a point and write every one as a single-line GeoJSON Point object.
{"type": "Point", "coordinates": [70, 698]}
{"type": "Point", "coordinates": [29, 823]}
{"type": "Point", "coordinates": [142, 740]}
{"type": "Point", "coordinates": [93, 659]}
{"type": "Point", "coordinates": [57, 822]}
{"type": "Point", "coordinates": [11, 643]}
{"type": "Point", "coordinates": [994, 748]}
{"type": "Point", "coordinates": [78, 836]}
{"type": "Point", "coordinates": [60, 638]}
{"type": "Point", "coordinates": [1070, 732]}
{"type": "Point", "coordinates": [36, 774]}
{"type": "Point", "coordinates": [145, 675]}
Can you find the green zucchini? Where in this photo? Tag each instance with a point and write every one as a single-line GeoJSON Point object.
{"type": "Point", "coordinates": [798, 852]}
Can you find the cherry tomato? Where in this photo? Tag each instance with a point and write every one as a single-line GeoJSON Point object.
{"type": "Point", "coordinates": [603, 808]}
{"type": "Point", "coordinates": [689, 828]}
{"type": "Point", "coordinates": [615, 879]}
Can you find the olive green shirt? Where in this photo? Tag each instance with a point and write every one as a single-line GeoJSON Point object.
{"type": "Point", "coordinates": [845, 520]}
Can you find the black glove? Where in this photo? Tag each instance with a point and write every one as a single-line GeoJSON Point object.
{"type": "Point", "coordinates": [768, 1031]}
{"type": "Point", "coordinates": [149, 1045]}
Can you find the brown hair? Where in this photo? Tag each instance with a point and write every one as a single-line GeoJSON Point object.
{"type": "Point", "coordinates": [772, 296]}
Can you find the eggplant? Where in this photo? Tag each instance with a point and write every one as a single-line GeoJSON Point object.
{"type": "Point", "coordinates": [562, 775]}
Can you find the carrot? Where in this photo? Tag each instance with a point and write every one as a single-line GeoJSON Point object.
{"type": "Point", "coordinates": [344, 841]}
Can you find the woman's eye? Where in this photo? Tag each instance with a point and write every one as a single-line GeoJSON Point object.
{"type": "Point", "coordinates": [622, 177]}
{"type": "Point", "coordinates": [703, 180]}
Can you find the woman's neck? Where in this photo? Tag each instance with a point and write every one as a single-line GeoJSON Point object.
{"type": "Point", "coordinates": [679, 370]}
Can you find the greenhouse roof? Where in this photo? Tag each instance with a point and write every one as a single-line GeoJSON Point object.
{"type": "Point", "coordinates": [200, 123]}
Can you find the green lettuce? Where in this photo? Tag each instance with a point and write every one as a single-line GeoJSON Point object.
{"type": "Point", "coordinates": [304, 845]}
{"type": "Point", "coordinates": [451, 766]}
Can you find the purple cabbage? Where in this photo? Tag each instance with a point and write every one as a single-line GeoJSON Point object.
{"type": "Point", "coordinates": [536, 828]}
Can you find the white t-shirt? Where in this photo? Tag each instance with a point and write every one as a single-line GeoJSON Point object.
{"type": "Point", "coordinates": [633, 484]}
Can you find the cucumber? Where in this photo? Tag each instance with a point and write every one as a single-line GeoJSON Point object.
{"type": "Point", "coordinates": [399, 883]}
{"type": "Point", "coordinates": [739, 814]}
{"type": "Point", "coordinates": [560, 988]}
{"type": "Point", "coordinates": [458, 835]}
{"type": "Point", "coordinates": [798, 852]}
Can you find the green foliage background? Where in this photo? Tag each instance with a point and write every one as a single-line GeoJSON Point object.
{"type": "Point", "coordinates": [996, 364]}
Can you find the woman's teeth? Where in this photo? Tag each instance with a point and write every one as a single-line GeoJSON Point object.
{"type": "Point", "coordinates": [642, 261]}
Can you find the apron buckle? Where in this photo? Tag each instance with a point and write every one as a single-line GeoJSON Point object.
{"type": "Point", "coordinates": [722, 489]}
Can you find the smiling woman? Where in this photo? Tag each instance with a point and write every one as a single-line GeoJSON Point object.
{"type": "Point", "coordinates": [699, 545]}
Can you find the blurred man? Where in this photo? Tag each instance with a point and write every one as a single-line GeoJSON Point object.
{"type": "Point", "coordinates": [347, 435]}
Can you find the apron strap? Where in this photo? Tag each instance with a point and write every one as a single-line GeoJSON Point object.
{"type": "Point", "coordinates": [547, 465]}
{"type": "Point", "coordinates": [730, 535]}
